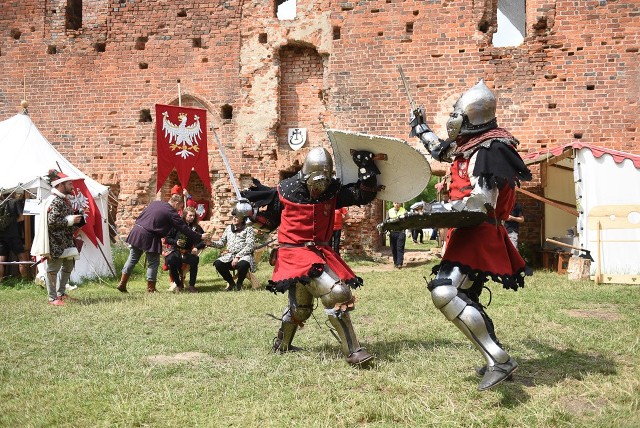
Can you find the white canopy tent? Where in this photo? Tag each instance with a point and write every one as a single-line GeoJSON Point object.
{"type": "Point", "coordinates": [603, 186]}
{"type": "Point", "coordinates": [26, 156]}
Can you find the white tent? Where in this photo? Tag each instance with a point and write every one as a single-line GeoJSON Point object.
{"type": "Point", "coordinates": [602, 184]}
{"type": "Point", "coordinates": [26, 156]}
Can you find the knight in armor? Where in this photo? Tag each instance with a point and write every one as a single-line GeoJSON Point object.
{"type": "Point", "coordinates": [485, 168]}
{"type": "Point", "coordinates": [302, 209]}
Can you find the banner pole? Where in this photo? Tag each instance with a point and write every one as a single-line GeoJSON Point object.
{"type": "Point", "coordinates": [179, 95]}
{"type": "Point", "coordinates": [105, 259]}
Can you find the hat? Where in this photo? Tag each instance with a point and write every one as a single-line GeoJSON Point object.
{"type": "Point", "coordinates": [176, 190]}
{"type": "Point", "coordinates": [56, 177]}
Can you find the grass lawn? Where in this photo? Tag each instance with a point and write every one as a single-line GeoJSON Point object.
{"type": "Point", "coordinates": [204, 359]}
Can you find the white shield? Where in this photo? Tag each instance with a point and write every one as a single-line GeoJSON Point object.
{"type": "Point", "coordinates": [297, 137]}
{"type": "Point", "coordinates": [404, 174]}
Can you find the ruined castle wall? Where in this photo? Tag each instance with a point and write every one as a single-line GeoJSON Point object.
{"type": "Point", "coordinates": [92, 89]}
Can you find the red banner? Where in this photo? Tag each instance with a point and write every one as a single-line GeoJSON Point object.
{"type": "Point", "coordinates": [82, 200]}
{"type": "Point", "coordinates": [181, 137]}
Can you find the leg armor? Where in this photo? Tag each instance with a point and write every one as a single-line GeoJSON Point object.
{"type": "Point", "coordinates": [299, 310]}
{"type": "Point", "coordinates": [448, 292]}
{"type": "Point", "coordinates": [337, 300]}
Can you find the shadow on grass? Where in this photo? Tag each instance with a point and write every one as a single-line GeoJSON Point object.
{"type": "Point", "coordinates": [554, 367]}
{"type": "Point", "coordinates": [109, 299]}
{"type": "Point", "coordinates": [559, 364]}
{"type": "Point", "coordinates": [386, 351]}
{"type": "Point", "coordinates": [550, 370]}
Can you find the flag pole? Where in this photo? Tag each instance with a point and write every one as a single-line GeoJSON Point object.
{"type": "Point", "coordinates": [105, 258]}
{"type": "Point", "coordinates": [179, 95]}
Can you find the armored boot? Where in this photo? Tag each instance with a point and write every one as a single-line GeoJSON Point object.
{"type": "Point", "coordinates": [480, 371]}
{"type": "Point", "coordinates": [470, 318]}
{"type": "Point", "coordinates": [353, 353]}
{"type": "Point", "coordinates": [282, 342]}
{"type": "Point", "coordinates": [122, 287]}
{"type": "Point", "coordinates": [478, 328]}
{"type": "Point", "coordinates": [151, 287]}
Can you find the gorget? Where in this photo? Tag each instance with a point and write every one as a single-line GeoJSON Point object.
{"type": "Point", "coordinates": [467, 146]}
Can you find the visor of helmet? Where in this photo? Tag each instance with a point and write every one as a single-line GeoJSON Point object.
{"type": "Point", "coordinates": [454, 124]}
{"type": "Point", "coordinates": [317, 183]}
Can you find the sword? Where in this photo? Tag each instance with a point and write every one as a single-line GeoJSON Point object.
{"type": "Point", "coordinates": [265, 244]}
{"type": "Point", "coordinates": [227, 166]}
{"type": "Point", "coordinates": [418, 112]}
{"type": "Point", "coordinates": [405, 83]}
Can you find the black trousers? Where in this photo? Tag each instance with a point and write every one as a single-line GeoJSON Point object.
{"type": "Point", "coordinates": [224, 269]}
{"type": "Point", "coordinates": [335, 240]}
{"type": "Point", "coordinates": [397, 241]}
{"type": "Point", "coordinates": [175, 260]}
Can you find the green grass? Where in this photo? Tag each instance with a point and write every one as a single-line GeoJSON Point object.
{"type": "Point", "coordinates": [113, 359]}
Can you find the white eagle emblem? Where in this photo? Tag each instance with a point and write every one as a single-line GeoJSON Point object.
{"type": "Point", "coordinates": [200, 210]}
{"type": "Point", "coordinates": [79, 202]}
{"type": "Point", "coordinates": [182, 137]}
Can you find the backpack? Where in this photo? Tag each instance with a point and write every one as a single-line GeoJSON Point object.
{"type": "Point", "coordinates": [6, 216]}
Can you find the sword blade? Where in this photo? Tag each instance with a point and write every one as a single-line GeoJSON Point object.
{"type": "Point", "coordinates": [227, 165]}
{"type": "Point", "coordinates": [405, 83]}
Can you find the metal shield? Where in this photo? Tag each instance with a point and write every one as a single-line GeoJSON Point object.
{"type": "Point", "coordinates": [404, 174]}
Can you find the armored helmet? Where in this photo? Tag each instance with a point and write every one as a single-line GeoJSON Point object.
{"type": "Point", "coordinates": [317, 171]}
{"type": "Point", "coordinates": [474, 112]}
{"type": "Point", "coordinates": [242, 210]}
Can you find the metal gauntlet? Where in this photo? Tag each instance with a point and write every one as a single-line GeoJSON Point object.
{"type": "Point", "coordinates": [366, 166]}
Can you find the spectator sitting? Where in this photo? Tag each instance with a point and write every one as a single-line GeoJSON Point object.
{"type": "Point", "coordinates": [183, 250]}
{"type": "Point", "coordinates": [240, 241]}
{"type": "Point", "coordinates": [153, 224]}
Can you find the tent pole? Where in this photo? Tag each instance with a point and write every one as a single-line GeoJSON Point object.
{"type": "Point", "coordinates": [105, 259]}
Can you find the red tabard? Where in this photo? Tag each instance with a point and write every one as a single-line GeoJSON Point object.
{"type": "Point", "coordinates": [487, 247]}
{"type": "Point", "coordinates": [301, 223]}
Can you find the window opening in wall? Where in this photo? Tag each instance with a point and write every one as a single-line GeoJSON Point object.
{"type": "Point", "coordinates": [336, 33]}
{"type": "Point", "coordinates": [141, 43]}
{"type": "Point", "coordinates": [73, 15]}
{"type": "Point", "coordinates": [145, 115]}
{"type": "Point", "coordinates": [511, 23]}
{"type": "Point", "coordinates": [262, 38]}
{"type": "Point", "coordinates": [285, 9]}
{"type": "Point", "coordinates": [52, 50]}
{"type": "Point", "coordinates": [15, 33]}
{"type": "Point", "coordinates": [100, 47]}
{"type": "Point", "coordinates": [226, 112]}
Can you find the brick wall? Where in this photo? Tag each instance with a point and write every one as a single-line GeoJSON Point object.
{"type": "Point", "coordinates": [334, 66]}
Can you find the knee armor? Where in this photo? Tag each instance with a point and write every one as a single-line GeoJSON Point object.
{"type": "Point", "coordinates": [445, 297]}
{"type": "Point", "coordinates": [469, 317]}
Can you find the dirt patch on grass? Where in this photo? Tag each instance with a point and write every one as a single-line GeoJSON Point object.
{"type": "Point", "coordinates": [182, 357]}
{"type": "Point", "coordinates": [608, 314]}
{"type": "Point", "coordinates": [581, 406]}
{"type": "Point", "coordinates": [383, 261]}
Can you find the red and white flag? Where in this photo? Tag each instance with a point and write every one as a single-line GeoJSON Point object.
{"type": "Point", "coordinates": [82, 200]}
{"type": "Point", "coordinates": [181, 137]}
